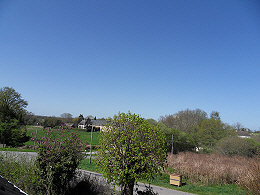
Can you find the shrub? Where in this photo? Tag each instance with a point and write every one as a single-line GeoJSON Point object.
{"type": "Point", "coordinates": [22, 173]}
{"type": "Point", "coordinates": [237, 146]}
{"type": "Point", "coordinates": [58, 158]}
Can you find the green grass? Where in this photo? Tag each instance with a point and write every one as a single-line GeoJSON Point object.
{"type": "Point", "coordinates": [84, 136]}
{"type": "Point", "coordinates": [17, 150]}
{"type": "Point", "coordinates": [199, 188]}
{"type": "Point", "coordinates": [163, 181]}
{"type": "Point", "coordinates": [85, 165]}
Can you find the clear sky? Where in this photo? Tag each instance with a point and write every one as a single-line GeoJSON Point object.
{"type": "Point", "coordinates": [99, 57]}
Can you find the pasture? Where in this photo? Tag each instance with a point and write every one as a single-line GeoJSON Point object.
{"type": "Point", "coordinates": [84, 136]}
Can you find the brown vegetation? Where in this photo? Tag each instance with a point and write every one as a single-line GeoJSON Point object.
{"type": "Point", "coordinates": [220, 169]}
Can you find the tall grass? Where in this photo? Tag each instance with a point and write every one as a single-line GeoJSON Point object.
{"type": "Point", "coordinates": [219, 169]}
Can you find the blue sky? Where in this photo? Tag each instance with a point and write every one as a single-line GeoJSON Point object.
{"type": "Point", "coordinates": [150, 57]}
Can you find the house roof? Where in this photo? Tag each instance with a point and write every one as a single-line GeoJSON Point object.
{"type": "Point", "coordinates": [83, 122]}
{"type": "Point", "coordinates": [98, 122]}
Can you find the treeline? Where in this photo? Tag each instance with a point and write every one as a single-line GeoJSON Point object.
{"type": "Point", "coordinates": [53, 121]}
{"type": "Point", "coordinates": [12, 123]}
{"type": "Point", "coordinates": [46, 121]}
{"type": "Point", "coordinates": [194, 130]}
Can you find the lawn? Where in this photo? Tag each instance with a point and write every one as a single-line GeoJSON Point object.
{"type": "Point", "coordinates": [84, 136]}
{"type": "Point", "coordinates": [163, 181]}
{"type": "Point", "coordinates": [17, 150]}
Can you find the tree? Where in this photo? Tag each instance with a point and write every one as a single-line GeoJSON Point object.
{"type": "Point", "coordinates": [238, 126]}
{"type": "Point", "coordinates": [211, 130]}
{"type": "Point", "coordinates": [52, 122]}
{"type": "Point", "coordinates": [12, 111]}
{"type": "Point", "coordinates": [215, 115]}
{"type": "Point", "coordinates": [176, 140]}
{"type": "Point", "coordinates": [184, 120]}
{"type": "Point", "coordinates": [12, 101]}
{"type": "Point", "coordinates": [151, 121]}
{"type": "Point", "coordinates": [67, 117]}
{"type": "Point", "coordinates": [131, 149]}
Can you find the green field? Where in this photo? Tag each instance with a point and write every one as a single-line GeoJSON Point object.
{"type": "Point", "coordinates": [84, 136]}
{"type": "Point", "coordinates": [17, 150]}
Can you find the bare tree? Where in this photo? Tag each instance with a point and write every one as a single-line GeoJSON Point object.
{"type": "Point", "coordinates": [66, 115]}
{"type": "Point", "coordinates": [238, 126]}
{"type": "Point", "coordinates": [184, 120]}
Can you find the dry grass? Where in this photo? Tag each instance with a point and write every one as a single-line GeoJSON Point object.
{"type": "Point", "coordinates": [220, 169]}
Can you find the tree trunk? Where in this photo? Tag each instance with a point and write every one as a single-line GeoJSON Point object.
{"type": "Point", "coordinates": [127, 189]}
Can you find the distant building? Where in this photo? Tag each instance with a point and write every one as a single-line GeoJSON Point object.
{"type": "Point", "coordinates": [98, 124]}
{"type": "Point", "coordinates": [243, 134]}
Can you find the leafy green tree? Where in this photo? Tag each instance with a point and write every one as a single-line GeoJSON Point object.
{"type": "Point", "coordinates": [131, 149]}
{"type": "Point", "coordinates": [12, 111]}
{"type": "Point", "coordinates": [52, 122]}
{"type": "Point", "coordinates": [211, 130]}
{"type": "Point", "coordinates": [151, 121]}
{"type": "Point", "coordinates": [176, 140]}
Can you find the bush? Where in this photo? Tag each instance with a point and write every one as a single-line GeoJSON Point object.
{"type": "Point", "coordinates": [58, 158]}
{"type": "Point", "coordinates": [237, 146]}
{"type": "Point", "coordinates": [22, 173]}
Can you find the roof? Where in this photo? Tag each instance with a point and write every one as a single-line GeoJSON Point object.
{"type": "Point", "coordinates": [83, 122]}
{"type": "Point", "coordinates": [99, 122]}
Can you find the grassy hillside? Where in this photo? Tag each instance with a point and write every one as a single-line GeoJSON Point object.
{"type": "Point", "coordinates": [84, 136]}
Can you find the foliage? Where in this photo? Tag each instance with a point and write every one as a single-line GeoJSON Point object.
{"type": "Point", "coordinates": [52, 122]}
{"type": "Point", "coordinates": [237, 146]}
{"type": "Point", "coordinates": [12, 101]}
{"type": "Point", "coordinates": [131, 149]}
{"type": "Point", "coordinates": [152, 121]}
{"type": "Point", "coordinates": [12, 111]}
{"type": "Point", "coordinates": [177, 140]}
{"type": "Point", "coordinates": [184, 120]}
{"type": "Point", "coordinates": [59, 156]}
{"type": "Point", "coordinates": [210, 131]}
{"type": "Point", "coordinates": [22, 173]}
{"type": "Point", "coordinates": [256, 137]}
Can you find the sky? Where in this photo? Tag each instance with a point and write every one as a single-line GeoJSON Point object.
{"type": "Point", "coordinates": [149, 57]}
